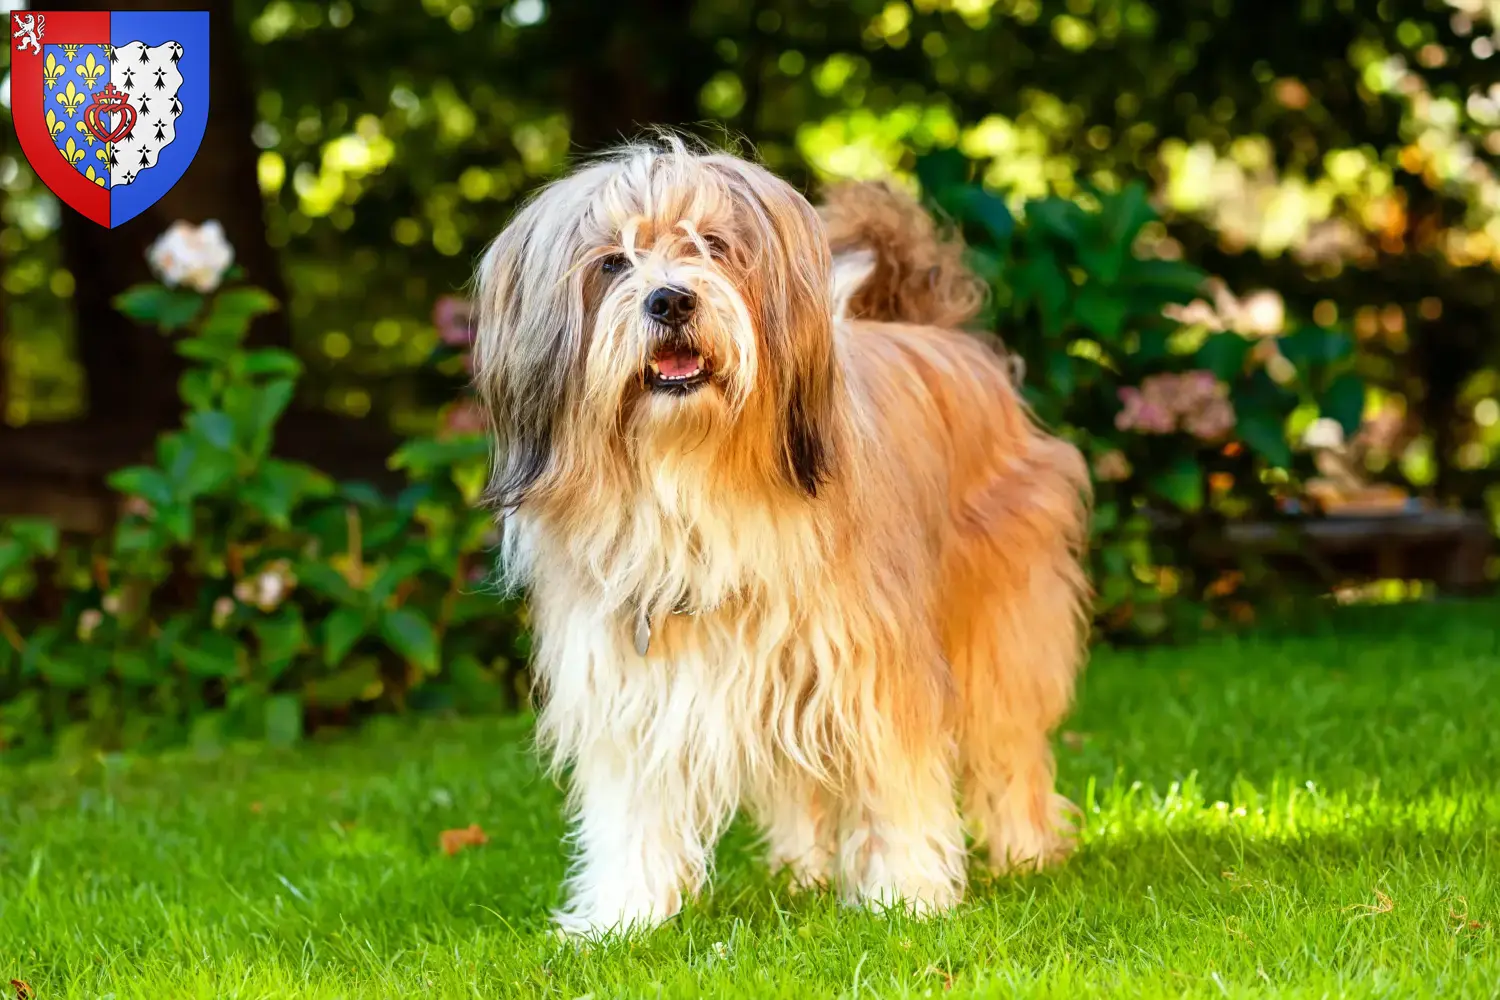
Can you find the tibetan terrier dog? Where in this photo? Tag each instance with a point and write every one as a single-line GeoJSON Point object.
{"type": "Point", "coordinates": [793, 542]}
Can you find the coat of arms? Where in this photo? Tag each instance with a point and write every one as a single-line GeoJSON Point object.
{"type": "Point", "coordinates": [110, 106]}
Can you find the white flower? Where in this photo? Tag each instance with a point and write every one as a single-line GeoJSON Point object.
{"type": "Point", "coordinates": [223, 611]}
{"type": "Point", "coordinates": [195, 256]}
{"type": "Point", "coordinates": [1324, 433]}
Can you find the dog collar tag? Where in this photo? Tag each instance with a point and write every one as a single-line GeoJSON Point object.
{"type": "Point", "coordinates": [642, 631]}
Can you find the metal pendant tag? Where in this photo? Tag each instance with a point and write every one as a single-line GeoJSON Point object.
{"type": "Point", "coordinates": [642, 632]}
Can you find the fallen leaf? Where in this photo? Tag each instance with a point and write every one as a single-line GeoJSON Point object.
{"type": "Point", "coordinates": [453, 841]}
{"type": "Point", "coordinates": [23, 989]}
{"type": "Point", "coordinates": [1382, 904]}
{"type": "Point", "coordinates": [256, 807]}
{"type": "Point", "coordinates": [1072, 740]}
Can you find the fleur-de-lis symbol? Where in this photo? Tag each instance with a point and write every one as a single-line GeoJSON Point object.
{"type": "Point", "coordinates": [72, 152]}
{"type": "Point", "coordinates": [71, 51]}
{"type": "Point", "coordinates": [83, 129]}
{"type": "Point", "coordinates": [55, 124]}
{"type": "Point", "coordinates": [91, 70]}
{"type": "Point", "coordinates": [96, 178]}
{"type": "Point", "coordinates": [102, 155]}
{"type": "Point", "coordinates": [70, 99]}
{"type": "Point", "coordinates": [51, 70]}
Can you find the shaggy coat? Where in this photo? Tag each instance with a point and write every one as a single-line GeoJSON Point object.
{"type": "Point", "coordinates": [805, 551]}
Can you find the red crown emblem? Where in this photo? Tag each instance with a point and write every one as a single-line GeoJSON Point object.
{"type": "Point", "coordinates": [109, 101]}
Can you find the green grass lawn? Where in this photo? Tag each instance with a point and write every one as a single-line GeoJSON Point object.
{"type": "Point", "coordinates": [1300, 816]}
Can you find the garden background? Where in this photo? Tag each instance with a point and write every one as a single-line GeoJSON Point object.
{"type": "Point", "coordinates": [1245, 257]}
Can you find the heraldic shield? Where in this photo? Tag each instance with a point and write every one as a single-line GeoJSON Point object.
{"type": "Point", "coordinates": [110, 106]}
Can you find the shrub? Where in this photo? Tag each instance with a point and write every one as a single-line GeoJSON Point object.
{"type": "Point", "coordinates": [244, 595]}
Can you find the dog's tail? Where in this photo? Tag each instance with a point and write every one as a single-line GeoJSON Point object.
{"type": "Point", "coordinates": [891, 262]}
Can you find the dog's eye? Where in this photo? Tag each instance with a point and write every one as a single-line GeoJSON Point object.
{"type": "Point", "coordinates": [717, 247]}
{"type": "Point", "coordinates": [613, 264]}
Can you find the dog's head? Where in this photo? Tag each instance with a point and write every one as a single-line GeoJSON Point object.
{"type": "Point", "coordinates": [657, 299]}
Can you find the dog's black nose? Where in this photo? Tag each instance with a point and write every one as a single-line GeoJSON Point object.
{"type": "Point", "coordinates": [672, 306]}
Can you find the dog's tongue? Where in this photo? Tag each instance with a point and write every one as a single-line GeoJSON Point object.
{"type": "Point", "coordinates": [673, 363]}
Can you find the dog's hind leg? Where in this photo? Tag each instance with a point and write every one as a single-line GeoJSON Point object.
{"type": "Point", "coordinates": [901, 838]}
{"type": "Point", "coordinates": [1016, 641]}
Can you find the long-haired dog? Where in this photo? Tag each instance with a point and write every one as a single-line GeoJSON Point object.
{"type": "Point", "coordinates": [792, 541]}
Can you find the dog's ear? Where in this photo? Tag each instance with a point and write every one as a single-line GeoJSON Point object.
{"type": "Point", "coordinates": [795, 314]}
{"type": "Point", "coordinates": [808, 437]}
{"type": "Point", "coordinates": [808, 363]}
{"type": "Point", "coordinates": [528, 338]}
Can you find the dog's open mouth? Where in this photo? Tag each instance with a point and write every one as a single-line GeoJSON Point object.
{"type": "Point", "coordinates": [676, 368]}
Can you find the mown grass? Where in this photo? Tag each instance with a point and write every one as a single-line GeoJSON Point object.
{"type": "Point", "coordinates": [1293, 815]}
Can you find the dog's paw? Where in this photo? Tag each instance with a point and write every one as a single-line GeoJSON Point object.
{"type": "Point", "coordinates": [593, 920]}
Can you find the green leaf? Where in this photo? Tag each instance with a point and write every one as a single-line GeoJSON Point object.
{"type": "Point", "coordinates": [1125, 214]}
{"type": "Point", "coordinates": [36, 534]}
{"type": "Point", "coordinates": [215, 352]}
{"type": "Point", "coordinates": [234, 310]}
{"type": "Point", "coordinates": [1344, 401]}
{"type": "Point", "coordinates": [1061, 374]}
{"type": "Point", "coordinates": [1156, 283]}
{"type": "Point", "coordinates": [1042, 281]}
{"type": "Point", "coordinates": [283, 718]}
{"type": "Point", "coordinates": [1181, 483]}
{"type": "Point", "coordinates": [323, 579]}
{"type": "Point", "coordinates": [196, 387]}
{"type": "Point", "coordinates": [255, 410]}
{"type": "Point", "coordinates": [12, 555]}
{"type": "Point", "coordinates": [411, 635]}
{"type": "Point", "coordinates": [973, 203]}
{"type": "Point", "coordinates": [136, 667]}
{"type": "Point", "coordinates": [1315, 346]}
{"type": "Point", "coordinates": [1265, 433]}
{"type": "Point", "coordinates": [341, 630]}
{"type": "Point", "coordinates": [168, 308]}
{"type": "Point", "coordinates": [208, 654]}
{"type": "Point", "coordinates": [147, 483]}
{"type": "Point", "coordinates": [72, 667]}
{"type": "Point", "coordinates": [213, 426]}
{"type": "Point", "coordinates": [271, 361]}
{"type": "Point", "coordinates": [176, 519]}
{"type": "Point", "coordinates": [277, 487]}
{"type": "Point", "coordinates": [422, 456]}
{"type": "Point", "coordinates": [279, 639]}
{"type": "Point", "coordinates": [401, 569]}
{"type": "Point", "coordinates": [1224, 354]}
{"type": "Point", "coordinates": [1100, 311]}
{"type": "Point", "coordinates": [941, 170]}
{"type": "Point", "coordinates": [1056, 217]}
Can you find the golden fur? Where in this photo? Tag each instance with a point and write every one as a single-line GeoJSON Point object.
{"type": "Point", "coordinates": [857, 553]}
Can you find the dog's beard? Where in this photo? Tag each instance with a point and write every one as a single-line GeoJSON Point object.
{"type": "Point", "coordinates": [643, 373]}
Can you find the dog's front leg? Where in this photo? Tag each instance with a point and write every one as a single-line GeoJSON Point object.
{"type": "Point", "coordinates": [642, 842]}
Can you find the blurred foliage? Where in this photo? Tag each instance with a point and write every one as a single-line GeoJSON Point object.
{"type": "Point", "coordinates": [243, 595]}
{"type": "Point", "coordinates": [1318, 148]}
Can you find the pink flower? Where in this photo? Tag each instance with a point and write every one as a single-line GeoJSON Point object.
{"type": "Point", "coordinates": [1145, 412]}
{"type": "Point", "coordinates": [1214, 420]}
{"type": "Point", "coordinates": [454, 319]}
{"type": "Point", "coordinates": [1194, 401]}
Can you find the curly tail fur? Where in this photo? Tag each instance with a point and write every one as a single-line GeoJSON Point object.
{"type": "Point", "coordinates": [894, 263]}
